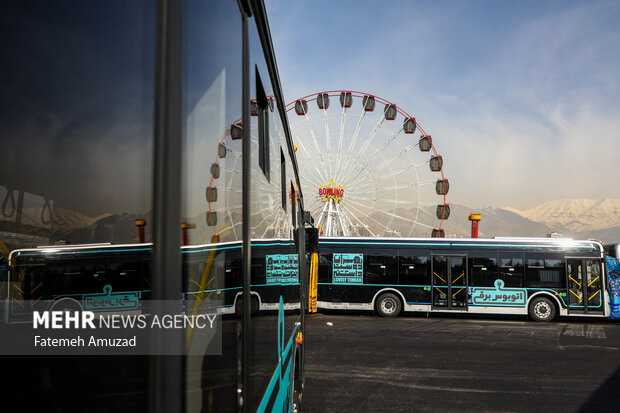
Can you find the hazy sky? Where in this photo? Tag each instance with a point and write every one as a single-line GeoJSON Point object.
{"type": "Point", "coordinates": [522, 98]}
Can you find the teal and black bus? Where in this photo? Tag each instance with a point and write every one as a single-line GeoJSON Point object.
{"type": "Point", "coordinates": [67, 276]}
{"type": "Point", "coordinates": [539, 277]}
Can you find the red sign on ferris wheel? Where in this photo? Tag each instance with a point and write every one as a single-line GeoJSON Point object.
{"type": "Point", "coordinates": [331, 191]}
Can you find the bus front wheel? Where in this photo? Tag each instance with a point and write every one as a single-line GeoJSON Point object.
{"type": "Point", "coordinates": [388, 305]}
{"type": "Point", "coordinates": [542, 309]}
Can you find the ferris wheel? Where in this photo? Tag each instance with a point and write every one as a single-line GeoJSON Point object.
{"type": "Point", "coordinates": [369, 166]}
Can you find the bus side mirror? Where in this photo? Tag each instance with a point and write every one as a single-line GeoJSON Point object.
{"type": "Point", "coordinates": [312, 240]}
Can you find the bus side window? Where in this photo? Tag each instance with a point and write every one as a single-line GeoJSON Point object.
{"type": "Point", "coordinates": [483, 269]}
{"type": "Point", "coordinates": [325, 267]}
{"type": "Point", "coordinates": [64, 278]}
{"type": "Point", "coordinates": [381, 267]}
{"type": "Point", "coordinates": [124, 273]}
{"type": "Point", "coordinates": [258, 275]}
{"type": "Point", "coordinates": [192, 271]}
{"type": "Point", "coordinates": [545, 271]}
{"type": "Point", "coordinates": [233, 269]}
{"type": "Point", "coordinates": [553, 274]}
{"type": "Point", "coordinates": [413, 269]}
{"type": "Point", "coordinates": [33, 283]}
{"type": "Point", "coordinates": [511, 269]}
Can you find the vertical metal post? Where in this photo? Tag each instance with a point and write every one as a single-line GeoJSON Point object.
{"type": "Point", "coordinates": [166, 372]}
{"type": "Point", "coordinates": [246, 182]}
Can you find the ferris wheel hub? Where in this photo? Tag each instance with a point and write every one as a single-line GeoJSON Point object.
{"type": "Point", "coordinates": [331, 191]}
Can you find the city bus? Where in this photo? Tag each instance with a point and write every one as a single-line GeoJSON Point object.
{"type": "Point", "coordinates": [539, 277]}
{"type": "Point", "coordinates": [168, 116]}
{"type": "Point", "coordinates": [66, 276]}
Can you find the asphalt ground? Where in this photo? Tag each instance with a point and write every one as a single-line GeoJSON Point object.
{"type": "Point", "coordinates": [453, 363]}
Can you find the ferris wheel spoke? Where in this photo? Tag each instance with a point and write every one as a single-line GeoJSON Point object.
{"type": "Point", "coordinates": [357, 130]}
{"type": "Point", "coordinates": [390, 214]}
{"type": "Point", "coordinates": [327, 140]}
{"type": "Point", "coordinates": [349, 176]}
{"type": "Point", "coordinates": [404, 151]}
{"type": "Point", "coordinates": [231, 171]}
{"type": "Point", "coordinates": [362, 181]}
{"type": "Point", "coordinates": [364, 187]}
{"type": "Point", "coordinates": [386, 143]}
{"type": "Point", "coordinates": [426, 183]}
{"type": "Point", "coordinates": [353, 140]}
{"type": "Point", "coordinates": [382, 147]}
{"type": "Point", "coordinates": [351, 225]}
{"type": "Point", "coordinates": [230, 225]}
{"type": "Point", "coordinates": [310, 176]}
{"type": "Point", "coordinates": [391, 201]}
{"type": "Point", "coordinates": [362, 225]}
{"type": "Point", "coordinates": [425, 225]}
{"type": "Point", "coordinates": [303, 148]}
{"type": "Point", "coordinates": [264, 221]}
{"type": "Point", "coordinates": [358, 193]}
{"type": "Point", "coordinates": [343, 118]}
{"type": "Point", "coordinates": [363, 212]}
{"type": "Point", "coordinates": [315, 174]}
{"type": "Point", "coordinates": [357, 174]}
{"type": "Point", "coordinates": [371, 136]}
{"type": "Point", "coordinates": [410, 167]}
{"type": "Point", "coordinates": [236, 154]}
{"type": "Point", "coordinates": [339, 215]}
{"type": "Point", "coordinates": [270, 230]}
{"type": "Point", "coordinates": [321, 215]}
{"type": "Point", "coordinates": [353, 174]}
{"type": "Point", "coordinates": [386, 228]}
{"type": "Point", "coordinates": [360, 178]}
{"type": "Point", "coordinates": [387, 163]}
{"type": "Point", "coordinates": [316, 144]}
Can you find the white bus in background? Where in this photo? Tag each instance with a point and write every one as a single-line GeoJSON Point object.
{"type": "Point", "coordinates": [539, 277]}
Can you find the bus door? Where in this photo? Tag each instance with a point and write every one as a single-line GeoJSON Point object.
{"type": "Point", "coordinates": [449, 285]}
{"type": "Point", "coordinates": [585, 283]}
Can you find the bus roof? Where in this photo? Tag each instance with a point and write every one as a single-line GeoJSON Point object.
{"type": "Point", "coordinates": [498, 241]}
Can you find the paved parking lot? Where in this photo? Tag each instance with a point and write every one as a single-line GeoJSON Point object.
{"type": "Point", "coordinates": [451, 363]}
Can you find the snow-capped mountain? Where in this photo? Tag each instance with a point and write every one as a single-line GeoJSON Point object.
{"type": "Point", "coordinates": [578, 219]}
{"type": "Point", "coordinates": [575, 215]}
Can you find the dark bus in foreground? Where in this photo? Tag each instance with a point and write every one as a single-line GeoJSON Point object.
{"type": "Point", "coordinates": [169, 116]}
{"type": "Point", "coordinates": [539, 277]}
{"type": "Point", "coordinates": [70, 277]}
{"type": "Point", "coordinates": [67, 276]}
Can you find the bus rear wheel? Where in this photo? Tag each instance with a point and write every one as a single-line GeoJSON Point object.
{"type": "Point", "coordinates": [542, 309]}
{"type": "Point", "coordinates": [67, 305]}
{"type": "Point", "coordinates": [253, 308]}
{"type": "Point", "coordinates": [388, 305]}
